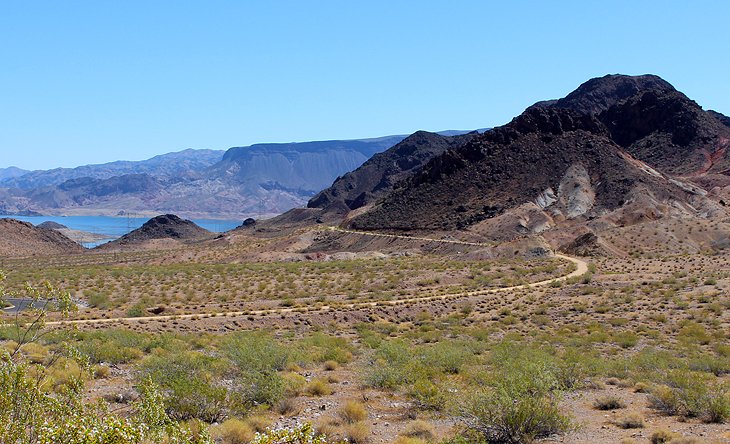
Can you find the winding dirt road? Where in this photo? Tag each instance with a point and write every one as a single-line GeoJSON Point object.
{"type": "Point", "coordinates": [580, 269]}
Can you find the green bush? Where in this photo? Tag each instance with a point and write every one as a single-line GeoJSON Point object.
{"type": "Point", "coordinates": [321, 348]}
{"type": "Point", "coordinates": [521, 401]}
{"type": "Point", "coordinates": [188, 381]}
{"type": "Point", "coordinates": [137, 311]}
{"type": "Point", "coordinates": [257, 359]}
{"type": "Point", "coordinates": [99, 300]}
{"type": "Point", "coordinates": [301, 434]}
{"type": "Point", "coordinates": [427, 395]}
{"type": "Point", "coordinates": [692, 394]}
{"type": "Point", "coordinates": [500, 417]}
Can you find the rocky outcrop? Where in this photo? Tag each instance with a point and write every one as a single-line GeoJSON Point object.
{"type": "Point", "coordinates": [378, 176]}
{"type": "Point", "coordinates": [22, 239]}
{"type": "Point", "coordinates": [578, 157]}
{"type": "Point", "coordinates": [164, 227]}
{"type": "Point", "coordinates": [50, 225]}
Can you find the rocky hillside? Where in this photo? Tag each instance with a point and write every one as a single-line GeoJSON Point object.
{"type": "Point", "coordinates": [22, 239]}
{"type": "Point", "coordinates": [617, 150]}
{"type": "Point", "coordinates": [167, 227]}
{"type": "Point", "coordinates": [377, 176]}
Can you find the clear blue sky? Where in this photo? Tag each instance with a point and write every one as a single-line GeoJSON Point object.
{"type": "Point", "coordinates": [95, 81]}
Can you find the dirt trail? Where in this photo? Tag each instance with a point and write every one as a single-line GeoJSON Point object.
{"type": "Point", "coordinates": [580, 269]}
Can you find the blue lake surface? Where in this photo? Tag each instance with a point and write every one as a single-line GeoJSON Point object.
{"type": "Point", "coordinates": [115, 227]}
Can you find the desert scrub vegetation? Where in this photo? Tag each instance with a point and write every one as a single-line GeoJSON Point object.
{"type": "Point", "coordinates": [131, 289]}
{"type": "Point", "coordinates": [35, 409]}
{"type": "Point", "coordinates": [519, 399]}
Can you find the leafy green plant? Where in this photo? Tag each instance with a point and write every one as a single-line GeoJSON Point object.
{"type": "Point", "coordinates": [301, 434]}
{"type": "Point", "coordinates": [188, 381]}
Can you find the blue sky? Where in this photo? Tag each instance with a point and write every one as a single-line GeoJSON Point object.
{"type": "Point", "coordinates": [97, 81]}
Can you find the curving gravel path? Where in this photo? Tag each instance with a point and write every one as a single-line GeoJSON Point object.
{"type": "Point", "coordinates": [581, 269]}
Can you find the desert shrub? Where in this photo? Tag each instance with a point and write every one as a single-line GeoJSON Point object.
{"type": "Point", "coordinates": [137, 310]}
{"type": "Point", "coordinates": [626, 339]}
{"type": "Point", "coordinates": [120, 346]}
{"type": "Point", "coordinates": [35, 353]}
{"type": "Point", "coordinates": [500, 417]}
{"type": "Point", "coordinates": [293, 383]}
{"type": "Point", "coordinates": [257, 359]}
{"type": "Point", "coordinates": [631, 421]}
{"type": "Point", "coordinates": [321, 348]}
{"type": "Point", "coordinates": [258, 423]}
{"type": "Point", "coordinates": [259, 388]}
{"type": "Point", "coordinates": [109, 352]}
{"type": "Point", "coordinates": [717, 365]}
{"type": "Point", "coordinates": [234, 431]}
{"type": "Point", "coordinates": [256, 351]}
{"type": "Point", "coordinates": [390, 366]}
{"type": "Point", "coordinates": [427, 395]}
{"type": "Point", "coordinates": [318, 387]}
{"type": "Point", "coordinates": [302, 434]}
{"type": "Point", "coordinates": [30, 414]}
{"type": "Point", "coordinates": [691, 394]}
{"type": "Point", "coordinates": [420, 429]}
{"type": "Point", "coordinates": [101, 371]}
{"type": "Point", "coordinates": [407, 440]}
{"type": "Point", "coordinates": [98, 300]}
{"type": "Point", "coordinates": [286, 406]}
{"type": "Point", "coordinates": [447, 357]}
{"type": "Point", "coordinates": [357, 433]}
{"type": "Point", "coordinates": [520, 403]}
{"type": "Point", "coordinates": [662, 437]}
{"type": "Point", "coordinates": [188, 381]}
{"type": "Point", "coordinates": [352, 412]}
{"type": "Point", "coordinates": [694, 333]}
{"type": "Point", "coordinates": [608, 402]}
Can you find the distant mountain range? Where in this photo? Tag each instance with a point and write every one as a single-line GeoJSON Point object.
{"type": "Point", "coordinates": [11, 172]}
{"type": "Point", "coordinates": [257, 180]}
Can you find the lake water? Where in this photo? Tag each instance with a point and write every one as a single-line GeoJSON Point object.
{"type": "Point", "coordinates": [115, 227]}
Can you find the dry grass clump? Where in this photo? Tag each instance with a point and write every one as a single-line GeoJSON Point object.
{"type": "Point", "coordinates": [318, 387]}
{"type": "Point", "coordinates": [234, 431]}
{"type": "Point", "coordinates": [407, 440]}
{"type": "Point", "coordinates": [357, 433]}
{"type": "Point", "coordinates": [352, 412]}
{"type": "Point", "coordinates": [662, 437]}
{"type": "Point", "coordinates": [258, 423]}
{"type": "Point", "coordinates": [101, 371]}
{"type": "Point", "coordinates": [631, 421]}
{"type": "Point", "coordinates": [608, 402]}
{"type": "Point", "coordinates": [420, 430]}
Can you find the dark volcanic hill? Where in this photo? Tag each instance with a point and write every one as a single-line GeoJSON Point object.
{"type": "Point", "coordinates": [655, 123]}
{"type": "Point", "coordinates": [377, 176]}
{"type": "Point", "coordinates": [164, 227]}
{"type": "Point", "coordinates": [614, 140]}
{"type": "Point", "coordinates": [21, 239]}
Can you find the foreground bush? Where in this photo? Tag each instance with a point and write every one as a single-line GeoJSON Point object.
{"type": "Point", "coordinates": [690, 394]}
{"type": "Point", "coordinates": [189, 384]}
{"type": "Point", "coordinates": [502, 418]}
{"type": "Point", "coordinates": [520, 403]}
{"type": "Point", "coordinates": [303, 434]}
